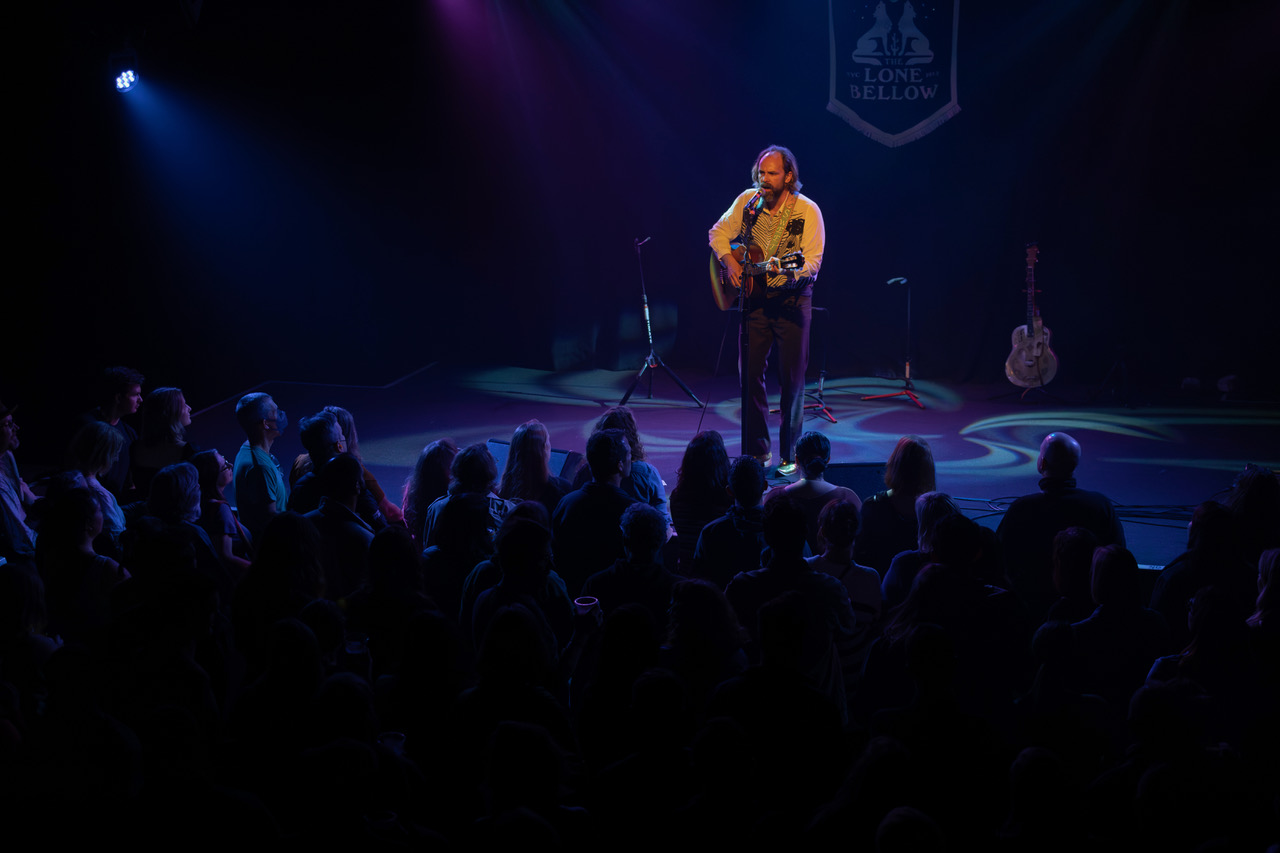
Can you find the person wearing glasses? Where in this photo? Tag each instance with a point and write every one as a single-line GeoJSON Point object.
{"type": "Point", "coordinates": [230, 540]}
{"type": "Point", "coordinates": [260, 490]}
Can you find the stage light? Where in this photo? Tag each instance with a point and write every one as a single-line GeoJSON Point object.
{"type": "Point", "coordinates": [124, 69]}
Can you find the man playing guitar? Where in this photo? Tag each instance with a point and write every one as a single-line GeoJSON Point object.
{"type": "Point", "coordinates": [773, 221]}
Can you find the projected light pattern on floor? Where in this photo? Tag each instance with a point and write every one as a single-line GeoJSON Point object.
{"type": "Point", "coordinates": [1155, 463]}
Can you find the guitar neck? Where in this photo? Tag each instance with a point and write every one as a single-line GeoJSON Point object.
{"type": "Point", "coordinates": [1032, 313]}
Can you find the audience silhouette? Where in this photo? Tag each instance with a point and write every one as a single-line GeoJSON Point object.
{"type": "Point", "coordinates": [436, 683]}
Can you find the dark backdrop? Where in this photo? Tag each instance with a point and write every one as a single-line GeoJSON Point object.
{"type": "Point", "coordinates": [345, 191]}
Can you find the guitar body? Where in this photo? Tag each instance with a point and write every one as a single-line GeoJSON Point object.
{"type": "Point", "coordinates": [753, 272]}
{"type": "Point", "coordinates": [1031, 363]}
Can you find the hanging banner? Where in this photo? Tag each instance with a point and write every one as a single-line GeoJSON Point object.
{"type": "Point", "coordinates": [893, 66]}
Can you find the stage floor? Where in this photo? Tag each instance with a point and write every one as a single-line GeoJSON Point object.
{"type": "Point", "coordinates": [1155, 462]}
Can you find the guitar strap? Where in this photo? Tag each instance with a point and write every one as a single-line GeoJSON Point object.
{"type": "Point", "coordinates": [778, 230]}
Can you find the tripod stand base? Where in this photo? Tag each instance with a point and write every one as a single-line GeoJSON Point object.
{"type": "Point", "coordinates": [907, 391]}
{"type": "Point", "coordinates": [1022, 395]}
{"type": "Point", "coordinates": [818, 407]}
{"type": "Point", "coordinates": [651, 362]}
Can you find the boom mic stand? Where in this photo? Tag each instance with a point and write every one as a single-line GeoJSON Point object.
{"type": "Point", "coordinates": [652, 360]}
{"type": "Point", "coordinates": [908, 390]}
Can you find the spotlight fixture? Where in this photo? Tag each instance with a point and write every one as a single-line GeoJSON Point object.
{"type": "Point", "coordinates": [124, 69]}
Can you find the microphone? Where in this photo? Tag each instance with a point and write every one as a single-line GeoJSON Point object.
{"type": "Point", "coordinates": [640, 242]}
{"type": "Point", "coordinates": [756, 203]}
{"type": "Point", "coordinates": [897, 280]}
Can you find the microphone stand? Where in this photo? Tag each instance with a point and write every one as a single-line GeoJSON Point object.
{"type": "Point", "coordinates": [652, 360]}
{"type": "Point", "coordinates": [908, 390]}
{"type": "Point", "coordinates": [750, 214]}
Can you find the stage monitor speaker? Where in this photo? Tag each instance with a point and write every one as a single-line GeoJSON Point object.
{"type": "Point", "coordinates": [865, 478]}
{"type": "Point", "coordinates": [564, 463]}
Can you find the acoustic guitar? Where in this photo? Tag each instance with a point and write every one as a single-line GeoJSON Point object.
{"type": "Point", "coordinates": [755, 270]}
{"type": "Point", "coordinates": [1032, 363]}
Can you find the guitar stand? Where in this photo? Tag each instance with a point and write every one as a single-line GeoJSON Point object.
{"type": "Point", "coordinates": [1022, 395]}
{"type": "Point", "coordinates": [908, 390]}
{"type": "Point", "coordinates": [652, 360]}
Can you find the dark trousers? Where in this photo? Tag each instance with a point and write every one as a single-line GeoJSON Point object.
{"type": "Point", "coordinates": [785, 320]}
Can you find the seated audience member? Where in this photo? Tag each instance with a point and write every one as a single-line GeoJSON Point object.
{"type": "Point", "coordinates": [474, 476]}
{"type": "Point", "coordinates": [733, 542]}
{"type": "Point", "coordinates": [119, 394]}
{"type": "Point", "coordinates": [345, 535]}
{"type": "Point", "coordinates": [93, 452]}
{"type": "Point", "coordinates": [959, 758]}
{"type": "Point", "coordinates": [322, 439]}
{"type": "Point", "coordinates": [629, 642]}
{"type": "Point", "coordinates": [1026, 532]}
{"type": "Point", "coordinates": [813, 455]}
{"type": "Point", "coordinates": [527, 475]}
{"type": "Point", "coordinates": [829, 615]}
{"type": "Point", "coordinates": [889, 518]}
{"type": "Point", "coordinates": [931, 508]}
{"type": "Point", "coordinates": [17, 540]}
{"type": "Point", "coordinates": [639, 577]}
{"type": "Point", "coordinates": [383, 608]}
{"type": "Point", "coordinates": [793, 726]}
{"type": "Point", "coordinates": [704, 641]}
{"type": "Point", "coordinates": [1223, 660]}
{"type": "Point", "coordinates": [525, 779]}
{"type": "Point", "coordinates": [77, 580]}
{"type": "Point", "coordinates": [1116, 646]}
{"type": "Point", "coordinates": [643, 483]}
{"type": "Point", "coordinates": [516, 665]}
{"type": "Point", "coordinates": [1264, 624]}
{"type": "Point", "coordinates": [260, 489]}
{"type": "Point", "coordinates": [172, 509]}
{"type": "Point", "coordinates": [1254, 499]}
{"type": "Point", "coordinates": [837, 532]}
{"type": "Point", "coordinates": [286, 574]}
{"type": "Point", "coordinates": [428, 482]}
{"type": "Point", "coordinates": [389, 510]}
{"type": "Point", "coordinates": [230, 540]}
{"type": "Point", "coordinates": [464, 539]}
{"type": "Point", "coordinates": [1053, 712]}
{"type": "Point", "coordinates": [165, 418]}
{"type": "Point", "coordinates": [524, 551]}
{"type": "Point", "coordinates": [1212, 558]}
{"type": "Point", "coordinates": [587, 537]}
{"type": "Point", "coordinates": [942, 595]}
{"type": "Point", "coordinates": [1072, 562]}
{"type": "Point", "coordinates": [701, 494]}
{"type": "Point", "coordinates": [26, 645]}
{"type": "Point", "coordinates": [488, 573]}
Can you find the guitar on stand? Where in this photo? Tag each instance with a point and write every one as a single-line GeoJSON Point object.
{"type": "Point", "coordinates": [1032, 363]}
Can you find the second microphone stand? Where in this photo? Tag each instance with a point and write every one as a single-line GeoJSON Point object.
{"type": "Point", "coordinates": [652, 360]}
{"type": "Point", "coordinates": [908, 390]}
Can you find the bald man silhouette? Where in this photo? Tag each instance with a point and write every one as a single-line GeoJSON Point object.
{"type": "Point", "coordinates": [1026, 532]}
